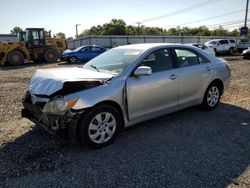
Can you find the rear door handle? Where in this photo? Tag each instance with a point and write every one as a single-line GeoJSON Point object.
{"type": "Point", "coordinates": [173, 77]}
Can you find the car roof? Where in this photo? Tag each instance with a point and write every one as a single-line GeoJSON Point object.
{"type": "Point", "coordinates": [146, 46]}
{"type": "Point", "coordinates": [193, 44]}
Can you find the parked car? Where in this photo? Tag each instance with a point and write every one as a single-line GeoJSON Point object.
{"type": "Point", "coordinates": [82, 53]}
{"type": "Point", "coordinates": [246, 54]}
{"type": "Point", "coordinates": [209, 50]}
{"type": "Point", "coordinates": [222, 45]}
{"type": "Point", "coordinates": [124, 86]}
{"type": "Point", "coordinates": [243, 44]}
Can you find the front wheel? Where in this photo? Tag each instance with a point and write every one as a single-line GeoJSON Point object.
{"type": "Point", "coordinates": [100, 126]}
{"type": "Point", "coordinates": [50, 55]}
{"type": "Point", "coordinates": [72, 59]}
{"type": "Point", "coordinates": [15, 57]}
{"type": "Point", "coordinates": [212, 97]}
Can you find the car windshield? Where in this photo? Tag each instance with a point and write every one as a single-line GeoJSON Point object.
{"type": "Point", "coordinates": [113, 61]}
{"type": "Point", "coordinates": [212, 42]}
{"type": "Point", "coordinates": [77, 49]}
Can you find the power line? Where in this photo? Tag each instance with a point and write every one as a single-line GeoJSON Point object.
{"type": "Point", "coordinates": [226, 23]}
{"type": "Point", "coordinates": [210, 18]}
{"type": "Point", "coordinates": [191, 8]}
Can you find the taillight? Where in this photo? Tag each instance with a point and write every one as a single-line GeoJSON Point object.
{"type": "Point", "coordinates": [228, 67]}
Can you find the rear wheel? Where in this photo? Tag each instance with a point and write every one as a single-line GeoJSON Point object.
{"type": "Point", "coordinates": [15, 57]}
{"type": "Point", "coordinates": [100, 126]}
{"type": "Point", "coordinates": [50, 55]}
{"type": "Point", "coordinates": [72, 59]}
{"type": "Point", "coordinates": [215, 51]}
{"type": "Point", "coordinates": [212, 97]}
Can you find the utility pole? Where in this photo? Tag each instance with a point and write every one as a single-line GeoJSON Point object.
{"type": "Point", "coordinates": [77, 30]}
{"type": "Point", "coordinates": [138, 29]}
{"type": "Point", "coordinates": [246, 13]}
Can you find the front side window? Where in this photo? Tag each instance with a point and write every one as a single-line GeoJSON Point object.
{"type": "Point", "coordinates": [85, 49]}
{"type": "Point", "coordinates": [186, 57]}
{"type": "Point", "coordinates": [158, 60]}
{"type": "Point", "coordinates": [212, 42]}
{"type": "Point", "coordinates": [35, 35]}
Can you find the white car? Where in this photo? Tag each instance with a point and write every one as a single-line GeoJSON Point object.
{"type": "Point", "coordinates": [204, 48]}
{"type": "Point", "coordinates": [222, 45]}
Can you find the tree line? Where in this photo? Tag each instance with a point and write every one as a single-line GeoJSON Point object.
{"type": "Point", "coordinates": [119, 27]}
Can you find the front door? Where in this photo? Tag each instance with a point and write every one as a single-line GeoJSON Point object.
{"type": "Point", "coordinates": [156, 92]}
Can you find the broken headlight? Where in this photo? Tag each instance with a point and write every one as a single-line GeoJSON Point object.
{"type": "Point", "coordinates": [59, 106]}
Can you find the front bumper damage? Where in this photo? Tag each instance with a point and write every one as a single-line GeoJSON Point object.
{"type": "Point", "coordinates": [54, 124]}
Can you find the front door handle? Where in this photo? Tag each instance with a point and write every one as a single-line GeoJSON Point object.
{"type": "Point", "coordinates": [173, 77]}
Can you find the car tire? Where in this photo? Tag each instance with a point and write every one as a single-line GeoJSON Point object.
{"type": "Point", "coordinates": [215, 51]}
{"type": "Point", "coordinates": [231, 51]}
{"type": "Point", "coordinates": [211, 97]}
{"type": "Point", "coordinates": [72, 59]}
{"type": "Point", "coordinates": [99, 126]}
{"type": "Point", "coordinates": [50, 55]}
{"type": "Point", "coordinates": [15, 57]}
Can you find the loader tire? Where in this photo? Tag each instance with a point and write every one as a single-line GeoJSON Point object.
{"type": "Point", "coordinates": [15, 57]}
{"type": "Point", "coordinates": [50, 55]}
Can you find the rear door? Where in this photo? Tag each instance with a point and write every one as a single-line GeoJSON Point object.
{"type": "Point", "coordinates": [150, 94]}
{"type": "Point", "coordinates": [95, 51]}
{"type": "Point", "coordinates": [195, 72]}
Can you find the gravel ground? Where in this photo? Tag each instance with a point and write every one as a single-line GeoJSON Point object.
{"type": "Point", "coordinates": [190, 148]}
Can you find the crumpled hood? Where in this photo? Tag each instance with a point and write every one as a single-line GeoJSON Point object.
{"type": "Point", "coordinates": [49, 81]}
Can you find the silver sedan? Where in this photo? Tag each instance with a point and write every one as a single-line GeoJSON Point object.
{"type": "Point", "coordinates": [124, 86]}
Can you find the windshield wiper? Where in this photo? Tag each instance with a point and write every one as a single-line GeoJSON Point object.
{"type": "Point", "coordinates": [93, 66]}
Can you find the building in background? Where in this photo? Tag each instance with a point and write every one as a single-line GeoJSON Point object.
{"type": "Point", "coordinates": [8, 38]}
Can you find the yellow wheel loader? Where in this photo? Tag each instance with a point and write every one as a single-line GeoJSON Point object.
{"type": "Point", "coordinates": [34, 44]}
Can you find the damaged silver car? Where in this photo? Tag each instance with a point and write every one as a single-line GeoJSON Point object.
{"type": "Point", "coordinates": [123, 86]}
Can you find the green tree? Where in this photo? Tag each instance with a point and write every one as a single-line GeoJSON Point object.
{"type": "Point", "coordinates": [61, 35]}
{"type": "Point", "coordinates": [131, 30]}
{"type": "Point", "coordinates": [16, 30]}
{"type": "Point", "coordinates": [115, 27]}
{"type": "Point", "coordinates": [172, 31]}
{"type": "Point", "coordinates": [220, 32]}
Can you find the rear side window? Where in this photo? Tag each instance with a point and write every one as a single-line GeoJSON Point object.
{"type": "Point", "coordinates": [96, 49]}
{"type": "Point", "coordinates": [232, 41]}
{"type": "Point", "coordinates": [202, 59]}
{"type": "Point", "coordinates": [186, 57]}
{"type": "Point", "coordinates": [224, 42]}
{"type": "Point", "coordinates": [158, 60]}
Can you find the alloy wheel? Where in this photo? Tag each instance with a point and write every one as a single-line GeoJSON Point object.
{"type": "Point", "coordinates": [73, 60]}
{"type": "Point", "coordinates": [213, 96]}
{"type": "Point", "coordinates": [102, 127]}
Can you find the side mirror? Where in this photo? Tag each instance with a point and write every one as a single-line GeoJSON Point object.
{"type": "Point", "coordinates": [143, 71]}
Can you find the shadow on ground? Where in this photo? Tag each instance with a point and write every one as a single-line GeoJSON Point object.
{"type": "Point", "coordinates": [190, 148]}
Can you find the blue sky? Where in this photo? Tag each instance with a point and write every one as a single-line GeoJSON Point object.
{"type": "Point", "coordinates": [62, 15]}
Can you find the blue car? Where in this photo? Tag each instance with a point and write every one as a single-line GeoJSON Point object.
{"type": "Point", "coordinates": [82, 53]}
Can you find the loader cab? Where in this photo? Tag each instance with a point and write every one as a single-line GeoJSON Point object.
{"type": "Point", "coordinates": [35, 38]}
